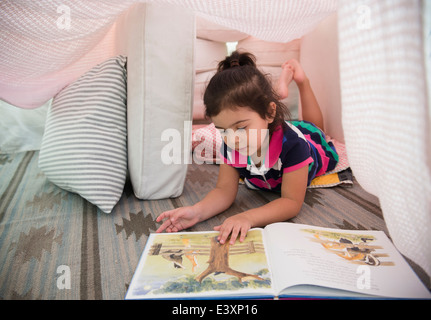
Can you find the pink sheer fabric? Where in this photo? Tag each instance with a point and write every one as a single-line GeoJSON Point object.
{"type": "Point", "coordinates": [45, 45]}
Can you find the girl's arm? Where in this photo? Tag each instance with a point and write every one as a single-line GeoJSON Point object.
{"type": "Point", "coordinates": [293, 188]}
{"type": "Point", "coordinates": [216, 201]}
{"type": "Point", "coordinates": [222, 196]}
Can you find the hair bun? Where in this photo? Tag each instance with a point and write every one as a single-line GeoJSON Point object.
{"type": "Point", "coordinates": [234, 63]}
{"type": "Point", "coordinates": [237, 59]}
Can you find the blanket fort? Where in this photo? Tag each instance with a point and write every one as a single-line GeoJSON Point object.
{"type": "Point", "coordinates": [383, 53]}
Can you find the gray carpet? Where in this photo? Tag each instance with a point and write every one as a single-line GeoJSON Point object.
{"type": "Point", "coordinates": [55, 245]}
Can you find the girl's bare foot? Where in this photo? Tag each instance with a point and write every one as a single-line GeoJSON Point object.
{"type": "Point", "coordinates": [298, 73]}
{"type": "Point", "coordinates": [284, 80]}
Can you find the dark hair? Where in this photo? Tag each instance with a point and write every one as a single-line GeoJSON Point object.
{"type": "Point", "coordinates": [239, 83]}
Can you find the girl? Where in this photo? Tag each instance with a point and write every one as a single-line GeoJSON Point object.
{"type": "Point", "coordinates": [259, 145]}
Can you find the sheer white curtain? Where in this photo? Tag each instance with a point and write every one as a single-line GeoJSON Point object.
{"type": "Point", "coordinates": [386, 114]}
{"type": "Point", "coordinates": [44, 45]}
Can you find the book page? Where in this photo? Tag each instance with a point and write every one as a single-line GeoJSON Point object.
{"type": "Point", "coordinates": [195, 264]}
{"type": "Point", "coordinates": [365, 262]}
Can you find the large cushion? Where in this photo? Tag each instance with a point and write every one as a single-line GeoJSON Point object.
{"type": "Point", "coordinates": [201, 82]}
{"type": "Point", "coordinates": [159, 97]}
{"type": "Point", "coordinates": [84, 146]}
{"type": "Point", "coordinates": [207, 56]}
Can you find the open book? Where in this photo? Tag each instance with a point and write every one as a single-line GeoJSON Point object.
{"type": "Point", "coordinates": [281, 260]}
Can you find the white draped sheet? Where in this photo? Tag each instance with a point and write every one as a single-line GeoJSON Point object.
{"type": "Point", "coordinates": [386, 116]}
{"type": "Point", "coordinates": [44, 45]}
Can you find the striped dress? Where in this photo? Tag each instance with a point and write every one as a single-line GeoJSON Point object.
{"type": "Point", "coordinates": [292, 146]}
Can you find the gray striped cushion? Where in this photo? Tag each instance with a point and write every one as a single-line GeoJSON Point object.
{"type": "Point", "coordinates": [84, 144]}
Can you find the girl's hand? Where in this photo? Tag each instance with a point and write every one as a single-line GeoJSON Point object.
{"type": "Point", "coordinates": [178, 219]}
{"type": "Point", "coordinates": [236, 225]}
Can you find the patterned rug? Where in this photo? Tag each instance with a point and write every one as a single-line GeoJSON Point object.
{"type": "Point", "coordinates": [55, 245]}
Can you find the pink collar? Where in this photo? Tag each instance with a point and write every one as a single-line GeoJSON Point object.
{"type": "Point", "coordinates": [271, 157]}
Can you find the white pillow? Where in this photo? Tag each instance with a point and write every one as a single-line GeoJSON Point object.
{"type": "Point", "coordinates": [201, 82]}
{"type": "Point", "coordinates": [212, 31]}
{"type": "Point", "coordinates": [208, 54]}
{"type": "Point", "coordinates": [21, 129]}
{"type": "Point", "coordinates": [84, 144]}
{"type": "Point", "coordinates": [270, 53]}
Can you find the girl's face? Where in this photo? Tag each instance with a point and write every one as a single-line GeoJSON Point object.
{"type": "Point", "coordinates": [243, 129]}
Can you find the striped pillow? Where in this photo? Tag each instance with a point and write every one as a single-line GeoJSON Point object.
{"type": "Point", "coordinates": [84, 144]}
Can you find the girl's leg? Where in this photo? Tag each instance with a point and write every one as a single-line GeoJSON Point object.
{"type": "Point", "coordinates": [310, 109]}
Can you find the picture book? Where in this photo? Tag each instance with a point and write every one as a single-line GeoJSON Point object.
{"type": "Point", "coordinates": [281, 260]}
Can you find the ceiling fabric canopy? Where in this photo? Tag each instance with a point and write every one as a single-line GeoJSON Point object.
{"type": "Point", "coordinates": [45, 45]}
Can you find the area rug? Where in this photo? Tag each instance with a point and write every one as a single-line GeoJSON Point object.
{"type": "Point", "coordinates": [56, 245]}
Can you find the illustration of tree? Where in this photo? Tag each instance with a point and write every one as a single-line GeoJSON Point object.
{"type": "Point", "coordinates": [219, 263]}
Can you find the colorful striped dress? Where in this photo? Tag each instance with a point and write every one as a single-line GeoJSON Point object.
{"type": "Point", "coordinates": [293, 145]}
